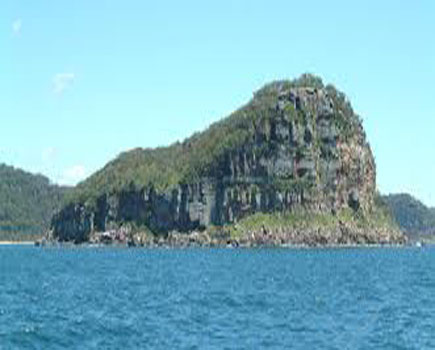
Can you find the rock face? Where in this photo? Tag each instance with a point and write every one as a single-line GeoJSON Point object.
{"type": "Point", "coordinates": [307, 151]}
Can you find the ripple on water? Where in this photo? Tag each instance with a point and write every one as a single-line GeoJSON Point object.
{"type": "Point", "coordinates": [214, 299]}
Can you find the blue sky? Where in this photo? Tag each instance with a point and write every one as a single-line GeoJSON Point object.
{"type": "Point", "coordinates": [82, 80]}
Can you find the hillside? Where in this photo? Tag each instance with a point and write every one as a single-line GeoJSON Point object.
{"type": "Point", "coordinates": [27, 202]}
{"type": "Point", "coordinates": [297, 147]}
{"type": "Point", "coordinates": [413, 217]}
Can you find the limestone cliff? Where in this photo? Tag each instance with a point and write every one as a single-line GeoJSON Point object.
{"type": "Point", "coordinates": [297, 146]}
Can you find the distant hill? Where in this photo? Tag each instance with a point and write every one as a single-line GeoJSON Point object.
{"type": "Point", "coordinates": [412, 215]}
{"type": "Point", "coordinates": [27, 202]}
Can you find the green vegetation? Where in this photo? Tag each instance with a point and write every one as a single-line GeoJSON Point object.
{"type": "Point", "coordinates": [27, 203]}
{"type": "Point", "coordinates": [412, 215]}
{"type": "Point", "coordinates": [200, 154]}
{"type": "Point", "coordinates": [381, 214]}
{"type": "Point", "coordinates": [277, 220]}
{"type": "Point", "coordinates": [379, 218]}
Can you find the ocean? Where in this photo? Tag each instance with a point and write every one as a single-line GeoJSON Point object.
{"type": "Point", "coordinates": [119, 298]}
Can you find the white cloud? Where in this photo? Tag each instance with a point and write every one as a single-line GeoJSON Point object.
{"type": "Point", "coordinates": [16, 26]}
{"type": "Point", "coordinates": [73, 175]}
{"type": "Point", "coordinates": [62, 81]}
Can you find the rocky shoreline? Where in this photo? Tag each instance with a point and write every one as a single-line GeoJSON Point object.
{"type": "Point", "coordinates": [344, 235]}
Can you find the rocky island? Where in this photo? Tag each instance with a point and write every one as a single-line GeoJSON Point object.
{"type": "Point", "coordinates": [291, 167]}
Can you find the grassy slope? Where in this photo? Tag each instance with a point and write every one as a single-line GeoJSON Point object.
{"type": "Point", "coordinates": [380, 217]}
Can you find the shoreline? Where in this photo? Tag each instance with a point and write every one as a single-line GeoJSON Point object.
{"type": "Point", "coordinates": [17, 242]}
{"type": "Point", "coordinates": [167, 246]}
{"type": "Point", "coordinates": [289, 246]}
{"type": "Point", "coordinates": [304, 238]}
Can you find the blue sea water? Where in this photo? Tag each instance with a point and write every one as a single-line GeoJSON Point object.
{"type": "Point", "coordinates": [114, 298]}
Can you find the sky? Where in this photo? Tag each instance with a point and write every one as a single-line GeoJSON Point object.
{"type": "Point", "coordinates": [82, 81]}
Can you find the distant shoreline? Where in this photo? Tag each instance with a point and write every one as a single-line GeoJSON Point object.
{"type": "Point", "coordinates": [17, 242]}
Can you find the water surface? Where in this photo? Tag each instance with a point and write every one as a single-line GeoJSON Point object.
{"type": "Point", "coordinates": [112, 298]}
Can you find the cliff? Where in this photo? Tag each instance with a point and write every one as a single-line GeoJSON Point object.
{"type": "Point", "coordinates": [296, 148]}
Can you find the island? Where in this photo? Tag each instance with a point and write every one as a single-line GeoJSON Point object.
{"type": "Point", "coordinates": [291, 167]}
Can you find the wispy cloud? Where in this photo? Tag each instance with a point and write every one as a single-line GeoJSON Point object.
{"type": "Point", "coordinates": [72, 175]}
{"type": "Point", "coordinates": [16, 26]}
{"type": "Point", "coordinates": [62, 81]}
